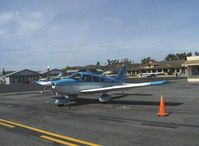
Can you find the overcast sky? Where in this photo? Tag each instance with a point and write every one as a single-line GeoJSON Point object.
{"type": "Point", "coordinates": [38, 33]}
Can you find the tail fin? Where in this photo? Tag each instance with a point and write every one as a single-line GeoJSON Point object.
{"type": "Point", "coordinates": [121, 74]}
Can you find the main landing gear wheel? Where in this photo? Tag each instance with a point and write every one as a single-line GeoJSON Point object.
{"type": "Point", "coordinates": [104, 98]}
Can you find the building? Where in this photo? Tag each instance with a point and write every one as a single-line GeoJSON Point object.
{"type": "Point", "coordinates": [164, 67]}
{"type": "Point", "coordinates": [22, 76]}
{"type": "Point", "coordinates": [70, 72]}
{"type": "Point", "coordinates": [192, 65]}
{"type": "Point", "coordinates": [51, 74]}
{"type": "Point", "coordinates": [94, 71]}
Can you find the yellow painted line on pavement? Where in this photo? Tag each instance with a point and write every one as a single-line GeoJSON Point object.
{"type": "Point", "coordinates": [58, 141]}
{"type": "Point", "coordinates": [50, 133]}
{"type": "Point", "coordinates": [7, 125]}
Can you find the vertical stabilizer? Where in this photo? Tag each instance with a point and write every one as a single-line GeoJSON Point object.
{"type": "Point", "coordinates": [121, 74]}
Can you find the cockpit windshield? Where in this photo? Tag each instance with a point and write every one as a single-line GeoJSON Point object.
{"type": "Point", "coordinates": [75, 76]}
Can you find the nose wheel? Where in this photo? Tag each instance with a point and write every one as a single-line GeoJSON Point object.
{"type": "Point", "coordinates": [61, 101]}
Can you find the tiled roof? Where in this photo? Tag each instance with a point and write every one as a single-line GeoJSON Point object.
{"type": "Point", "coordinates": [13, 73]}
{"type": "Point", "coordinates": [162, 65]}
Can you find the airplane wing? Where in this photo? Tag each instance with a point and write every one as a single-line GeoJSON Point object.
{"type": "Point", "coordinates": [123, 86]}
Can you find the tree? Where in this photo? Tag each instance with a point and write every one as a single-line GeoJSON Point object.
{"type": "Point", "coordinates": [178, 56]}
{"type": "Point", "coordinates": [147, 60]}
{"type": "Point", "coordinates": [170, 57]}
{"type": "Point", "coordinates": [98, 63]}
{"type": "Point", "coordinates": [114, 65]}
{"type": "Point", "coordinates": [125, 61]}
{"type": "Point", "coordinates": [197, 53]}
{"type": "Point", "coordinates": [188, 54]}
{"type": "Point", "coordinates": [3, 72]}
{"type": "Point", "coordinates": [108, 62]}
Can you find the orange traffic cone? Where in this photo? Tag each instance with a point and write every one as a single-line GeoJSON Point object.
{"type": "Point", "coordinates": [162, 111]}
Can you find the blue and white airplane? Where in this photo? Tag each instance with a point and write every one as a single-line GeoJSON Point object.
{"type": "Point", "coordinates": [82, 82]}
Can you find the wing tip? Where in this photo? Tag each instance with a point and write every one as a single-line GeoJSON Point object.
{"type": "Point", "coordinates": [159, 82]}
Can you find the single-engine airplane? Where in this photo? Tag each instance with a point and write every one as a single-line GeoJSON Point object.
{"type": "Point", "coordinates": [82, 82]}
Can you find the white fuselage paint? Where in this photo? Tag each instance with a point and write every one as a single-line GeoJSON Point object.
{"type": "Point", "coordinates": [74, 88]}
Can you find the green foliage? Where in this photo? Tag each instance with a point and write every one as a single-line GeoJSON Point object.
{"type": "Point", "coordinates": [114, 65]}
{"type": "Point", "coordinates": [147, 60]}
{"type": "Point", "coordinates": [197, 53]}
{"type": "Point", "coordinates": [171, 71]}
{"type": "Point", "coordinates": [178, 56]}
{"type": "Point", "coordinates": [69, 68]}
{"type": "Point", "coordinates": [3, 72]}
{"type": "Point", "coordinates": [98, 63]}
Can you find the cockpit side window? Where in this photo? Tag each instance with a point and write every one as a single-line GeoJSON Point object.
{"type": "Point", "coordinates": [75, 77]}
{"type": "Point", "coordinates": [87, 78]}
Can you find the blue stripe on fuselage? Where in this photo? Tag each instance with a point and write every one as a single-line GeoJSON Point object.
{"type": "Point", "coordinates": [64, 81]}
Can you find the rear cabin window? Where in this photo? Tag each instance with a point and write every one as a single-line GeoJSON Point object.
{"type": "Point", "coordinates": [87, 78]}
{"type": "Point", "coordinates": [195, 70]}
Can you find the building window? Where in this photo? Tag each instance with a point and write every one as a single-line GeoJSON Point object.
{"type": "Point", "coordinates": [195, 70]}
{"type": "Point", "coordinates": [143, 71]}
{"type": "Point", "coordinates": [165, 70]}
{"type": "Point", "coordinates": [183, 70]}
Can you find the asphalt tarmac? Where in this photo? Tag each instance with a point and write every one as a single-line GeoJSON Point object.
{"type": "Point", "coordinates": [129, 119]}
{"type": "Point", "coordinates": [19, 88]}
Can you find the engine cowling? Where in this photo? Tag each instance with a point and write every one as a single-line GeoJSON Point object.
{"type": "Point", "coordinates": [104, 98]}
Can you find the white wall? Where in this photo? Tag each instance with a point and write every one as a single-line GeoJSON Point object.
{"type": "Point", "coordinates": [7, 80]}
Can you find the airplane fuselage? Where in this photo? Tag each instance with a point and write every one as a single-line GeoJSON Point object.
{"type": "Point", "coordinates": [88, 83]}
{"type": "Point", "coordinates": [73, 86]}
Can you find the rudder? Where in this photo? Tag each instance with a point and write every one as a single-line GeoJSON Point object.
{"type": "Point", "coordinates": [121, 74]}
